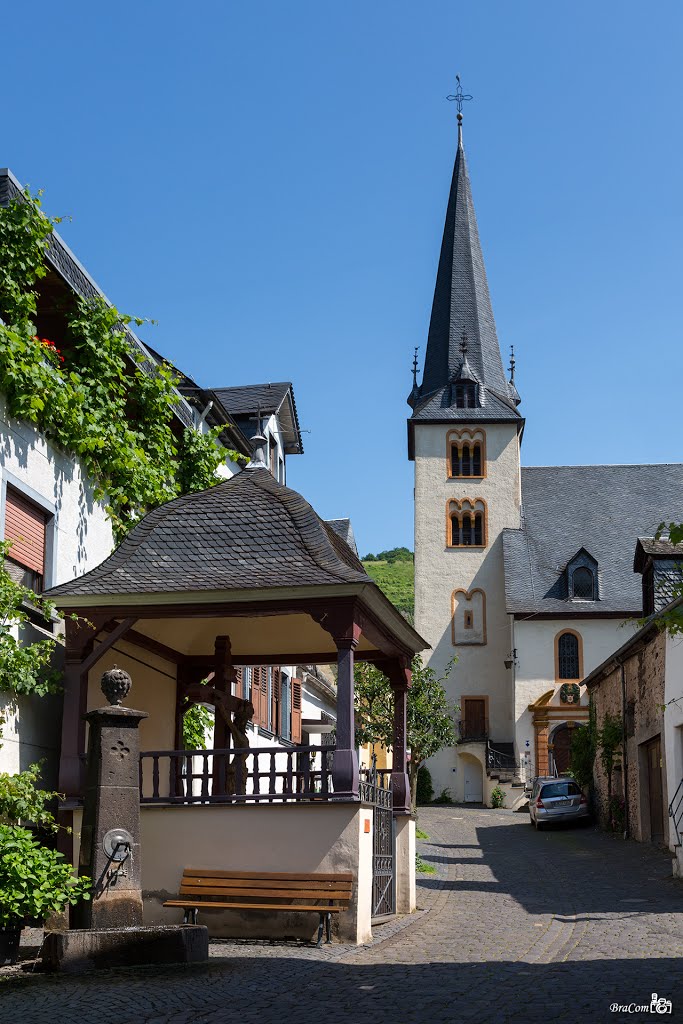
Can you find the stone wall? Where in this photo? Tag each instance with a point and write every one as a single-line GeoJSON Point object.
{"type": "Point", "coordinates": [642, 695]}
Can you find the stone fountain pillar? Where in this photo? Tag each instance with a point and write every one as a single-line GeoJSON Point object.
{"type": "Point", "coordinates": [108, 929]}
{"type": "Point", "coordinates": [110, 834]}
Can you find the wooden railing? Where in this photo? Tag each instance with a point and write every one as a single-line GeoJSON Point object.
{"type": "Point", "coordinates": [248, 775]}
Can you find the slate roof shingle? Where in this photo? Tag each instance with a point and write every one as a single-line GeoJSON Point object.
{"type": "Point", "coordinates": [603, 509]}
{"type": "Point", "coordinates": [462, 303]}
{"type": "Point", "coordinates": [250, 532]}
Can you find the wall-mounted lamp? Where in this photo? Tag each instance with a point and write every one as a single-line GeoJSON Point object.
{"type": "Point", "coordinates": [512, 660]}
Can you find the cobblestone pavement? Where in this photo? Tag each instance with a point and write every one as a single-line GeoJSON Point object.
{"type": "Point", "coordinates": [516, 925]}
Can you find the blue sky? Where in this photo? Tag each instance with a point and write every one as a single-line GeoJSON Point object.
{"type": "Point", "coordinates": [269, 182]}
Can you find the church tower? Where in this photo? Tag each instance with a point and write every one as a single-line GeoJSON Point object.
{"type": "Point", "coordinates": [464, 436]}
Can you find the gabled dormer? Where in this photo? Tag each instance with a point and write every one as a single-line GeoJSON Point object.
{"type": "Point", "coordinates": [661, 565]}
{"type": "Point", "coordinates": [581, 577]}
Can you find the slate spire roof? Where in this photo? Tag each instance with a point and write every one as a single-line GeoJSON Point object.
{"type": "Point", "coordinates": [462, 307]}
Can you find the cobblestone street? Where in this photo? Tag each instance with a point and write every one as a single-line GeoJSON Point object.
{"type": "Point", "coordinates": [515, 925]}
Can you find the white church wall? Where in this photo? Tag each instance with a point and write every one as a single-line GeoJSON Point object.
{"type": "Point", "coordinates": [440, 570]}
{"type": "Point", "coordinates": [535, 641]}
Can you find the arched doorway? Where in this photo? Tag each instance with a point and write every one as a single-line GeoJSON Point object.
{"type": "Point", "coordinates": [473, 779]}
{"type": "Point", "coordinates": [560, 747]}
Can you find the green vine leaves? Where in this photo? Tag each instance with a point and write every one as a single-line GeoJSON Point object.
{"type": "Point", "coordinates": [94, 398]}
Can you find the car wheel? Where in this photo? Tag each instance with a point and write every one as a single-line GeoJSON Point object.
{"type": "Point", "coordinates": [539, 827]}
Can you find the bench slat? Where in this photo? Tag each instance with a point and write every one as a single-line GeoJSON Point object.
{"type": "Point", "coordinates": [292, 894]}
{"type": "Point", "coordinates": [245, 883]}
{"type": "Point", "coordinates": [253, 906]}
{"type": "Point", "coordinates": [267, 876]}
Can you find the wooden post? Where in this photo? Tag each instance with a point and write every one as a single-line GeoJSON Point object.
{"type": "Point", "coordinates": [223, 676]}
{"type": "Point", "coordinates": [345, 767]}
{"type": "Point", "coordinates": [400, 677]}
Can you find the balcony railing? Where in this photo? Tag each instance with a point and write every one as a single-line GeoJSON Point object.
{"type": "Point", "coordinates": [248, 775]}
{"type": "Point", "coordinates": [473, 731]}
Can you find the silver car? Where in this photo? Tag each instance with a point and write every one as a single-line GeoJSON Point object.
{"type": "Point", "coordinates": [557, 800]}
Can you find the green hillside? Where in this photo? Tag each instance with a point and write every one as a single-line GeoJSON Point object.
{"type": "Point", "coordinates": [394, 573]}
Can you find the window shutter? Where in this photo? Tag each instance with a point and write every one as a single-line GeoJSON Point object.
{"type": "Point", "coordinates": [256, 694]}
{"type": "Point", "coordinates": [239, 686]}
{"type": "Point", "coordinates": [276, 701]}
{"type": "Point", "coordinates": [25, 527]}
{"type": "Point", "coordinates": [296, 710]}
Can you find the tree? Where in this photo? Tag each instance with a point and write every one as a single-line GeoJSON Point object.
{"type": "Point", "coordinates": [431, 725]}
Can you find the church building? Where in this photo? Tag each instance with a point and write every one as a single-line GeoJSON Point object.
{"type": "Point", "coordinates": [526, 575]}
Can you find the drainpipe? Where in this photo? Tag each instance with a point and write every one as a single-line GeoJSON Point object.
{"type": "Point", "coordinates": [624, 756]}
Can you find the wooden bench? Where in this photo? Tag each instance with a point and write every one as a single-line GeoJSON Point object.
{"type": "Point", "coordinates": [264, 890]}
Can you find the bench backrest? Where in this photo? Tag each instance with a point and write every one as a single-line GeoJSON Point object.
{"type": "Point", "coordinates": [207, 884]}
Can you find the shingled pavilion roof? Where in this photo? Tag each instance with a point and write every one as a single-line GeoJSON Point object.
{"type": "Point", "coordinates": [248, 545]}
{"type": "Point", "coordinates": [248, 533]}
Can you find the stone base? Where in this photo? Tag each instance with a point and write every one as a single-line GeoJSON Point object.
{"type": "Point", "coordinates": [81, 949]}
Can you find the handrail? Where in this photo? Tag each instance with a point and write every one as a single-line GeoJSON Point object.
{"type": "Point", "coordinates": [676, 812]}
{"type": "Point", "coordinates": [497, 761]}
{"type": "Point", "coordinates": [236, 775]}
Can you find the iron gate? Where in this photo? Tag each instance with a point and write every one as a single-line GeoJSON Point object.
{"type": "Point", "coordinates": [376, 790]}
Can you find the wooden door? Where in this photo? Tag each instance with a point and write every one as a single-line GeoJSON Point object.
{"type": "Point", "coordinates": [562, 741]}
{"type": "Point", "coordinates": [474, 713]}
{"type": "Point", "coordinates": [655, 791]}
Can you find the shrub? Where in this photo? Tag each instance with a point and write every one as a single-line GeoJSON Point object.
{"type": "Point", "coordinates": [444, 797]}
{"type": "Point", "coordinates": [425, 789]}
{"type": "Point", "coordinates": [497, 797]}
{"type": "Point", "coordinates": [34, 882]}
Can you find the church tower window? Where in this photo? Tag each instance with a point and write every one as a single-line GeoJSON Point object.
{"type": "Point", "coordinates": [466, 453]}
{"type": "Point", "coordinates": [465, 394]}
{"type": "Point", "coordinates": [466, 523]}
{"type": "Point", "coordinates": [568, 655]}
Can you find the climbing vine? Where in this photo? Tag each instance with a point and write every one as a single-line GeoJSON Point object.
{"type": "Point", "coordinates": [95, 397]}
{"type": "Point", "coordinates": [23, 669]}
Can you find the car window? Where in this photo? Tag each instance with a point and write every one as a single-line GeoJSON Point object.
{"type": "Point", "coordinates": [560, 789]}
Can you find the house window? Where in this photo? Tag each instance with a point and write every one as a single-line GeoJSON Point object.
{"type": "Point", "coordinates": [465, 394]}
{"type": "Point", "coordinates": [583, 584]}
{"type": "Point", "coordinates": [466, 524]}
{"type": "Point", "coordinates": [568, 656]}
{"type": "Point", "coordinates": [25, 528]}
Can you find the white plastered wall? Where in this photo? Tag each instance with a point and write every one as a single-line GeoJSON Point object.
{"type": "Point", "coordinates": [440, 570]}
{"type": "Point", "coordinates": [286, 838]}
{"type": "Point", "coordinates": [81, 537]}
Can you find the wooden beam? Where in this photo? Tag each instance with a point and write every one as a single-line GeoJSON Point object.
{"type": "Point", "coordinates": [147, 643]}
{"type": "Point", "coordinates": [101, 649]}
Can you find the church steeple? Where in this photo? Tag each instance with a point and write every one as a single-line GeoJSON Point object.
{"type": "Point", "coordinates": [462, 307]}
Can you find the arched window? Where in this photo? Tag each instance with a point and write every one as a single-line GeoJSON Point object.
{"type": "Point", "coordinates": [583, 584]}
{"type": "Point", "coordinates": [568, 660]}
{"type": "Point", "coordinates": [468, 617]}
{"type": "Point", "coordinates": [465, 394]}
{"type": "Point", "coordinates": [466, 524]}
{"type": "Point", "coordinates": [466, 453]}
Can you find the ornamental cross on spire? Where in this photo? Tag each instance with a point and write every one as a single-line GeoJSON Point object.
{"type": "Point", "coordinates": [459, 97]}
